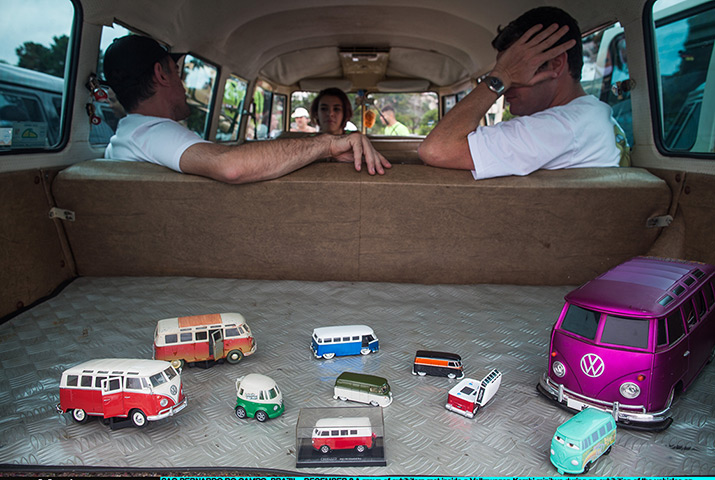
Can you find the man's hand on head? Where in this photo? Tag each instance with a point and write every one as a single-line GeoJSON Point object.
{"type": "Point", "coordinates": [353, 147]}
{"type": "Point", "coordinates": [519, 64]}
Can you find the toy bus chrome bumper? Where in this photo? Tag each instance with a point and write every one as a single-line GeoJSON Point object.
{"type": "Point", "coordinates": [454, 409]}
{"type": "Point", "coordinates": [168, 412]}
{"type": "Point", "coordinates": [631, 416]}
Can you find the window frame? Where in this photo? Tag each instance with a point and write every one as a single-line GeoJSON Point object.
{"type": "Point", "coordinates": [654, 98]}
{"type": "Point", "coordinates": [68, 91]}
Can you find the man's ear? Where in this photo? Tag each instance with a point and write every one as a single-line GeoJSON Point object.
{"type": "Point", "coordinates": [161, 76]}
{"type": "Point", "coordinates": [559, 65]}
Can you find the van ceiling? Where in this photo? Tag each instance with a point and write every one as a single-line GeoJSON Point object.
{"type": "Point", "coordinates": [286, 41]}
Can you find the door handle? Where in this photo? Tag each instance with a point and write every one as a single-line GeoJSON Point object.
{"type": "Point", "coordinates": [687, 352]}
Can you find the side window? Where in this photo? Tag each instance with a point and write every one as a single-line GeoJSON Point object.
{"type": "Point", "coordinates": [258, 123]}
{"type": "Point", "coordinates": [683, 34]}
{"type": "Point", "coordinates": [133, 383]}
{"type": "Point", "coordinates": [201, 336]}
{"type": "Point", "coordinates": [708, 292]}
{"type": "Point", "coordinates": [689, 312]}
{"type": "Point", "coordinates": [199, 78]}
{"type": "Point", "coordinates": [699, 304]}
{"type": "Point", "coordinates": [403, 114]}
{"type": "Point", "coordinates": [605, 73]}
{"type": "Point", "coordinates": [36, 39]}
{"type": "Point", "coordinates": [171, 338]}
{"type": "Point", "coordinates": [108, 111]}
{"type": "Point", "coordinates": [72, 380]}
{"type": "Point", "coordinates": [86, 380]}
{"type": "Point", "coordinates": [675, 327]}
{"type": "Point", "coordinates": [186, 336]}
{"type": "Point", "coordinates": [277, 115]}
{"type": "Point", "coordinates": [449, 101]}
{"type": "Point", "coordinates": [229, 121]}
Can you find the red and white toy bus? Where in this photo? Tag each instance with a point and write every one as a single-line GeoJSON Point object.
{"type": "Point", "coordinates": [467, 396]}
{"type": "Point", "coordinates": [343, 434]}
{"type": "Point", "coordinates": [203, 337]}
{"type": "Point", "coordinates": [138, 389]}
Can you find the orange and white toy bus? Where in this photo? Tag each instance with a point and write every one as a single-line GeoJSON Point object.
{"type": "Point", "coordinates": [139, 389]}
{"type": "Point", "coordinates": [203, 337]}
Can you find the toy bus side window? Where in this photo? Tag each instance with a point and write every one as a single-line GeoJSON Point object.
{"type": "Point", "coordinates": [133, 383]}
{"type": "Point", "coordinates": [171, 338]}
{"type": "Point", "coordinates": [676, 331]}
{"type": "Point", "coordinates": [709, 297]}
{"type": "Point", "coordinates": [186, 336]}
{"type": "Point", "coordinates": [86, 381]}
{"type": "Point", "coordinates": [230, 332]}
{"type": "Point", "coordinates": [689, 313]}
{"type": "Point", "coordinates": [72, 380]}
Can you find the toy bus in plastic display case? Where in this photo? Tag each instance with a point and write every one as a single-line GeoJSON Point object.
{"type": "Point", "coordinates": [468, 395]}
{"type": "Point", "coordinates": [345, 436]}
{"type": "Point", "coordinates": [122, 389]}
{"type": "Point", "coordinates": [259, 397]}
{"type": "Point", "coordinates": [440, 364]}
{"type": "Point", "coordinates": [632, 338]}
{"type": "Point", "coordinates": [581, 440]}
{"type": "Point", "coordinates": [203, 338]}
{"type": "Point", "coordinates": [327, 342]}
{"type": "Point", "coordinates": [363, 388]}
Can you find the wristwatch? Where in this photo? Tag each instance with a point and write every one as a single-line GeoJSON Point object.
{"type": "Point", "coordinates": [495, 85]}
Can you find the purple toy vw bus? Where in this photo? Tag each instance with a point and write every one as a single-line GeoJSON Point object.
{"type": "Point", "coordinates": [628, 340]}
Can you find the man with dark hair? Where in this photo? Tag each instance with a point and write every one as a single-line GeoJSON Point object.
{"type": "Point", "coordinates": [538, 70]}
{"type": "Point", "coordinates": [145, 78]}
{"type": "Point", "coordinates": [392, 126]}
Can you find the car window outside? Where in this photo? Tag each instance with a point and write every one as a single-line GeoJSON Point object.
{"type": "Point", "coordinates": [683, 34]}
{"type": "Point", "coordinates": [199, 78]}
{"type": "Point", "coordinates": [34, 48]}
{"type": "Point", "coordinates": [403, 114]}
{"type": "Point", "coordinates": [229, 122]}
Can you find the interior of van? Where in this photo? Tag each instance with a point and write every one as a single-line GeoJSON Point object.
{"type": "Point", "coordinates": [95, 251]}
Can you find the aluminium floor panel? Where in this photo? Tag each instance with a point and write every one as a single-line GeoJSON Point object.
{"type": "Point", "coordinates": [490, 326]}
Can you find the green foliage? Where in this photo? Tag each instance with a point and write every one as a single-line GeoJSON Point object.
{"type": "Point", "coordinates": [40, 58]}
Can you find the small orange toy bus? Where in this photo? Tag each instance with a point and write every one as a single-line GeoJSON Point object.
{"type": "Point", "coordinates": [203, 337]}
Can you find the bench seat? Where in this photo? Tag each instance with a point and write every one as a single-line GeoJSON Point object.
{"type": "Point", "coordinates": [415, 224]}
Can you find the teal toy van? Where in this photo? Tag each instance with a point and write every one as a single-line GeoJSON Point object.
{"type": "Point", "coordinates": [581, 440]}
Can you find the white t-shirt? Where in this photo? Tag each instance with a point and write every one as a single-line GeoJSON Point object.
{"type": "Point", "coordinates": [576, 135]}
{"type": "Point", "coordinates": [141, 138]}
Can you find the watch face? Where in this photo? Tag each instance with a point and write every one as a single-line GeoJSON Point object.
{"type": "Point", "coordinates": [495, 84]}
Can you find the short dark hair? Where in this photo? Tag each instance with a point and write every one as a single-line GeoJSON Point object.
{"type": "Point", "coordinates": [129, 67]}
{"type": "Point", "coordinates": [544, 16]}
{"type": "Point", "coordinates": [388, 108]}
{"type": "Point", "coordinates": [334, 92]}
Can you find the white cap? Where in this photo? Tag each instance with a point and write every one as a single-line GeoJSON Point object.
{"type": "Point", "coordinates": [300, 112]}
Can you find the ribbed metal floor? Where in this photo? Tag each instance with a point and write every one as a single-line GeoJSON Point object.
{"type": "Point", "coordinates": [489, 326]}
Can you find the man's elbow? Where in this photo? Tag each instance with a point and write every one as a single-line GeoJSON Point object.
{"type": "Point", "coordinates": [429, 153]}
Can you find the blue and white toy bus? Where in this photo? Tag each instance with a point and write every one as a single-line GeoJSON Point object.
{"type": "Point", "coordinates": [343, 340]}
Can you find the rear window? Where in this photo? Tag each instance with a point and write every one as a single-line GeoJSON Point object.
{"type": "Point", "coordinates": [626, 332]}
{"type": "Point", "coordinates": [35, 48]}
{"type": "Point", "coordinates": [581, 322]}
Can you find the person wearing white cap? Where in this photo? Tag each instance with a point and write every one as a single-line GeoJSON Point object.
{"type": "Point", "coordinates": [302, 118]}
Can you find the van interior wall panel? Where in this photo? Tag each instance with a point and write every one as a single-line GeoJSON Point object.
{"type": "Point", "coordinates": [325, 222]}
{"type": "Point", "coordinates": [32, 258]}
{"type": "Point", "coordinates": [697, 204]}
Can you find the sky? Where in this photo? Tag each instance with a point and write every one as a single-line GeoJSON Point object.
{"type": "Point", "coordinates": [32, 20]}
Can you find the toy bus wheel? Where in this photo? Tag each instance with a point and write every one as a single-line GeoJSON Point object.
{"type": "Point", "coordinates": [138, 418]}
{"type": "Point", "coordinates": [421, 374]}
{"type": "Point", "coordinates": [451, 375]}
{"type": "Point", "coordinates": [324, 449]}
{"type": "Point", "coordinates": [79, 415]}
{"type": "Point", "coordinates": [261, 416]}
{"type": "Point", "coordinates": [240, 412]}
{"type": "Point", "coordinates": [328, 356]}
{"type": "Point", "coordinates": [343, 399]}
{"type": "Point", "coordinates": [587, 467]}
{"type": "Point", "coordinates": [234, 356]}
{"type": "Point", "coordinates": [608, 450]}
{"type": "Point", "coordinates": [360, 448]}
{"type": "Point", "coordinates": [374, 403]}
{"type": "Point", "coordinates": [365, 351]}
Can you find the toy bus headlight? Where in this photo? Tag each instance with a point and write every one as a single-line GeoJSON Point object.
{"type": "Point", "coordinates": [275, 407]}
{"type": "Point", "coordinates": [163, 402]}
{"type": "Point", "coordinates": [630, 390]}
{"type": "Point", "coordinates": [558, 369]}
{"type": "Point", "coordinates": [574, 462]}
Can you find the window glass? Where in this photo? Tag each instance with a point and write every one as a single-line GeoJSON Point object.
{"type": "Point", "coordinates": [605, 69]}
{"type": "Point", "coordinates": [34, 48]}
{"type": "Point", "coordinates": [277, 115]}
{"type": "Point", "coordinates": [628, 332]}
{"type": "Point", "coordinates": [230, 332]}
{"type": "Point", "coordinates": [684, 33]}
{"type": "Point", "coordinates": [229, 121]}
{"type": "Point", "coordinates": [157, 379]}
{"type": "Point", "coordinates": [258, 124]}
{"type": "Point", "coordinates": [170, 372]}
{"type": "Point", "coordinates": [199, 78]}
{"type": "Point", "coordinates": [107, 110]}
{"type": "Point", "coordinates": [580, 321]}
{"type": "Point", "coordinates": [403, 114]}
{"type": "Point", "coordinates": [98, 381]}
{"type": "Point", "coordinates": [675, 327]}
{"type": "Point", "coordinates": [133, 383]}
{"type": "Point", "coordinates": [186, 337]}
{"type": "Point", "coordinates": [708, 292]}
{"type": "Point", "coordinates": [72, 380]}
{"type": "Point", "coordinates": [689, 312]}
{"type": "Point", "coordinates": [662, 332]}
{"type": "Point", "coordinates": [449, 101]}
{"type": "Point", "coordinates": [86, 381]}
{"type": "Point", "coordinates": [699, 304]}
{"type": "Point", "coordinates": [200, 336]}
{"type": "Point", "coordinates": [171, 338]}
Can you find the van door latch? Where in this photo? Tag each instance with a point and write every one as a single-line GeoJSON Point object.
{"type": "Point", "coordinates": [62, 214]}
{"type": "Point", "coordinates": [657, 222]}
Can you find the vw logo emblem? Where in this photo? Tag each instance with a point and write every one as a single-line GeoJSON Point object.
{"type": "Point", "coordinates": [173, 390]}
{"type": "Point", "coordinates": [592, 365]}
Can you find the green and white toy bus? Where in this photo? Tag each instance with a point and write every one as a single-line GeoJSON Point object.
{"type": "Point", "coordinates": [258, 396]}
